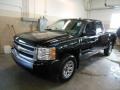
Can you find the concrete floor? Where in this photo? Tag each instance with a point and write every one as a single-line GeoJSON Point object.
{"type": "Point", "coordinates": [96, 73]}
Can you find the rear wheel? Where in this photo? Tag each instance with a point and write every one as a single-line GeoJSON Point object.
{"type": "Point", "coordinates": [67, 68]}
{"type": "Point", "coordinates": [108, 50]}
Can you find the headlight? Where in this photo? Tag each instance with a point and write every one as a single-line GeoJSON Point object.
{"type": "Point", "coordinates": [46, 53]}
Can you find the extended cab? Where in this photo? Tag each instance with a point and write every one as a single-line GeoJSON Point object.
{"type": "Point", "coordinates": [60, 47]}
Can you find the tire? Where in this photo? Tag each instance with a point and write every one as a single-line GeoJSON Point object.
{"type": "Point", "coordinates": [67, 68]}
{"type": "Point", "coordinates": [108, 50]}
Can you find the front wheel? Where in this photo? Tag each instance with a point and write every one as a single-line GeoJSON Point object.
{"type": "Point", "coordinates": [108, 50]}
{"type": "Point", "coordinates": [67, 68]}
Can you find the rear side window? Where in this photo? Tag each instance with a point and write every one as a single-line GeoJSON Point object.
{"type": "Point", "coordinates": [99, 28]}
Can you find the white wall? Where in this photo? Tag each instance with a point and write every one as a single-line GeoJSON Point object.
{"type": "Point", "coordinates": [66, 8]}
{"type": "Point", "coordinates": [57, 8]}
{"type": "Point", "coordinates": [10, 7]}
{"type": "Point", "coordinates": [100, 12]}
{"type": "Point", "coordinates": [104, 15]}
{"type": "Point", "coordinates": [36, 8]}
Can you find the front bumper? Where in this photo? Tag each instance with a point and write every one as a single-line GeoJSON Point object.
{"type": "Point", "coordinates": [21, 61]}
{"type": "Point", "coordinates": [38, 65]}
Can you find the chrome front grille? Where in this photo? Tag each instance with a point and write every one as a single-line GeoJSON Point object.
{"type": "Point", "coordinates": [25, 51]}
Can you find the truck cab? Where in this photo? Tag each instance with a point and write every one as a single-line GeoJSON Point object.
{"type": "Point", "coordinates": [60, 47]}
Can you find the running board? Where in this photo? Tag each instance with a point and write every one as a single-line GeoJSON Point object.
{"type": "Point", "coordinates": [91, 52]}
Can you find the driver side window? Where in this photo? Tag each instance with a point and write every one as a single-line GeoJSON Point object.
{"type": "Point", "coordinates": [99, 28]}
{"type": "Point", "coordinates": [90, 29]}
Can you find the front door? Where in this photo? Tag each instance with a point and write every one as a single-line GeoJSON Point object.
{"type": "Point", "coordinates": [89, 37]}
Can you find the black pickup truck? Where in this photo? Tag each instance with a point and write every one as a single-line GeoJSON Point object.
{"type": "Point", "coordinates": [60, 47]}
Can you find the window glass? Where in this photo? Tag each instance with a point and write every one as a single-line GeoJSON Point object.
{"type": "Point", "coordinates": [98, 28]}
{"type": "Point", "coordinates": [68, 26]}
{"type": "Point", "coordinates": [90, 29]}
{"type": "Point", "coordinates": [59, 25]}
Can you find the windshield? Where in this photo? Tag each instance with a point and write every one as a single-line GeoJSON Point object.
{"type": "Point", "coordinates": [68, 26]}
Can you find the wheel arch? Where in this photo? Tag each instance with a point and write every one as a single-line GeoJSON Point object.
{"type": "Point", "coordinates": [73, 54]}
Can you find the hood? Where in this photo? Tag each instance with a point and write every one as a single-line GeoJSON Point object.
{"type": "Point", "coordinates": [44, 38]}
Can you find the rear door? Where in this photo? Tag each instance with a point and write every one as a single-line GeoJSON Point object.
{"type": "Point", "coordinates": [103, 38]}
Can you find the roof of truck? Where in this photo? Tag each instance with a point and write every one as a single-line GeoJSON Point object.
{"type": "Point", "coordinates": [87, 20]}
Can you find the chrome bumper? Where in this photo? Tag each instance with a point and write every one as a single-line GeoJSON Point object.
{"type": "Point", "coordinates": [22, 61]}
